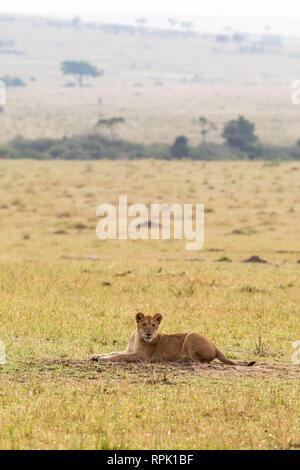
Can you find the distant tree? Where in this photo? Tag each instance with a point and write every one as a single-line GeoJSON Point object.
{"type": "Point", "coordinates": [187, 25]}
{"type": "Point", "coordinates": [110, 123]}
{"type": "Point", "coordinates": [141, 21]}
{"type": "Point", "coordinates": [180, 147]}
{"type": "Point", "coordinates": [7, 43]}
{"type": "Point", "coordinates": [79, 69]}
{"type": "Point", "coordinates": [237, 37]}
{"type": "Point", "coordinates": [206, 127]}
{"type": "Point", "coordinates": [221, 38]}
{"type": "Point", "coordinates": [239, 133]}
{"type": "Point", "coordinates": [172, 22]}
{"type": "Point", "coordinates": [76, 22]}
{"type": "Point", "coordinates": [12, 81]}
{"type": "Point", "coordinates": [2, 94]}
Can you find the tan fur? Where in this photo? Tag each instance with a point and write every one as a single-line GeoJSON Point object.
{"type": "Point", "coordinates": [147, 344]}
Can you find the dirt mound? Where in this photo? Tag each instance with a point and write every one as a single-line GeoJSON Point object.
{"type": "Point", "coordinates": [254, 259]}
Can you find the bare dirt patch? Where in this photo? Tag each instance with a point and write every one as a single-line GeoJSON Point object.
{"type": "Point", "coordinates": [167, 373]}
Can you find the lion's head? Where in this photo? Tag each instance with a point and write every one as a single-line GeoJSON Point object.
{"type": "Point", "coordinates": [148, 326]}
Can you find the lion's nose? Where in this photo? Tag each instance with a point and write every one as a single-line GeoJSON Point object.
{"type": "Point", "coordinates": [148, 335]}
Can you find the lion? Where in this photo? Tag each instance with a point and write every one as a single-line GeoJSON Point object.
{"type": "Point", "coordinates": [146, 344]}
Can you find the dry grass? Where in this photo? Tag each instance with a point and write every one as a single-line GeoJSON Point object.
{"type": "Point", "coordinates": [58, 307]}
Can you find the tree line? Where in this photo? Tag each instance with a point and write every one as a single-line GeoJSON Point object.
{"type": "Point", "coordinates": [241, 143]}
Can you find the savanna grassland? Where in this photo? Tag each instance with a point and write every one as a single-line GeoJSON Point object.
{"type": "Point", "coordinates": [160, 82]}
{"type": "Point", "coordinates": [59, 306]}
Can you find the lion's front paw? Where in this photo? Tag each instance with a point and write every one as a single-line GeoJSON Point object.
{"type": "Point", "coordinates": [95, 358]}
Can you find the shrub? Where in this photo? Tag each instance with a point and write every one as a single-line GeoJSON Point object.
{"type": "Point", "coordinates": [13, 81]}
{"type": "Point", "coordinates": [95, 146]}
{"type": "Point", "coordinates": [239, 133]}
{"type": "Point", "coordinates": [70, 85]}
{"type": "Point", "coordinates": [211, 151]}
{"type": "Point", "coordinates": [5, 151]}
{"type": "Point", "coordinates": [77, 147]}
{"type": "Point", "coordinates": [180, 147]}
{"type": "Point", "coordinates": [294, 152]}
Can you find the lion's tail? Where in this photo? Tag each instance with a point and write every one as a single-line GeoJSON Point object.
{"type": "Point", "coordinates": [225, 360]}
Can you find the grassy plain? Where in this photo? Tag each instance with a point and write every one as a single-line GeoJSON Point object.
{"type": "Point", "coordinates": [58, 308]}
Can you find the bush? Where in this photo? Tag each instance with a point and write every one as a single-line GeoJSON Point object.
{"type": "Point", "coordinates": [5, 151]}
{"type": "Point", "coordinates": [95, 147]}
{"type": "Point", "coordinates": [180, 147]}
{"type": "Point", "coordinates": [30, 148]}
{"type": "Point", "coordinates": [13, 81]}
{"type": "Point", "coordinates": [210, 151]}
{"type": "Point", "coordinates": [239, 133]}
{"type": "Point", "coordinates": [7, 43]}
{"type": "Point", "coordinates": [75, 148]}
{"type": "Point", "coordinates": [161, 151]}
{"type": "Point", "coordinates": [258, 151]}
{"type": "Point", "coordinates": [294, 152]}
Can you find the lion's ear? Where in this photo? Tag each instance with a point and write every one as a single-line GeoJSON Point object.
{"type": "Point", "coordinates": [139, 316]}
{"type": "Point", "coordinates": [158, 317]}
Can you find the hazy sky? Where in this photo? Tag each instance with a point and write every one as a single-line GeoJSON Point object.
{"type": "Point", "coordinates": [267, 8]}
